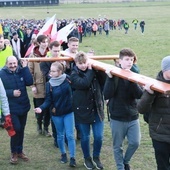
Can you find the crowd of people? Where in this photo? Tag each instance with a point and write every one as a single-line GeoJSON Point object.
{"type": "Point", "coordinates": [83, 28]}
{"type": "Point", "coordinates": [71, 96]}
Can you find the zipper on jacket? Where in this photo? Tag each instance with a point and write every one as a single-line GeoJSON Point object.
{"type": "Point", "coordinates": [159, 124]}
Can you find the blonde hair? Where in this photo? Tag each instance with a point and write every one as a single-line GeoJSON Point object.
{"type": "Point", "coordinates": [73, 39]}
{"type": "Point", "coordinates": [80, 57]}
{"type": "Point", "coordinates": [59, 66]}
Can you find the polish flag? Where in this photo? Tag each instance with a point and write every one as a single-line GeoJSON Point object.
{"type": "Point", "coordinates": [64, 32]}
{"type": "Point", "coordinates": [29, 51]}
{"type": "Point", "coordinates": [53, 35]}
{"type": "Point", "coordinates": [45, 30]}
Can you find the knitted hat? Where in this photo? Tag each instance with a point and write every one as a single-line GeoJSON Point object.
{"type": "Point", "coordinates": [165, 65]}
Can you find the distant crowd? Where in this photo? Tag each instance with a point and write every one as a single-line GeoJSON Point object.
{"type": "Point", "coordinates": [29, 28]}
{"type": "Point", "coordinates": [71, 95]}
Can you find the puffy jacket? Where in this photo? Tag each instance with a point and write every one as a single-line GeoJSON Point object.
{"type": "Point", "coordinates": [158, 105]}
{"type": "Point", "coordinates": [87, 95]}
{"type": "Point", "coordinates": [17, 80]}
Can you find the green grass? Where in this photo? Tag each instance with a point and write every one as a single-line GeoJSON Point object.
{"type": "Point", "coordinates": [150, 49]}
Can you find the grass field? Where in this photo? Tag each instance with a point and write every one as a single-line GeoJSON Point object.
{"type": "Point", "coordinates": [150, 49]}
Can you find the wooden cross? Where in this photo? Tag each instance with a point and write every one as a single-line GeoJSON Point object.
{"type": "Point", "coordinates": [128, 75]}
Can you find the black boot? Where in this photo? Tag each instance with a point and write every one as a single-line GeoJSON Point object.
{"type": "Point", "coordinates": [46, 132]}
{"type": "Point", "coordinates": [39, 128]}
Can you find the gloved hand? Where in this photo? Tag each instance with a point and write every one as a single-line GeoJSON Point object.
{"type": "Point", "coordinates": [9, 126]}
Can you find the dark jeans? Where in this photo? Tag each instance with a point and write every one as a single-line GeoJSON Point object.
{"type": "Point", "coordinates": [142, 29]}
{"type": "Point", "coordinates": [19, 122]}
{"type": "Point", "coordinates": [162, 154]}
{"type": "Point", "coordinates": [44, 117]}
{"type": "Point", "coordinates": [97, 129]}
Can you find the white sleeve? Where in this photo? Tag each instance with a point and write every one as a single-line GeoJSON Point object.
{"type": "Point", "coordinates": [4, 105]}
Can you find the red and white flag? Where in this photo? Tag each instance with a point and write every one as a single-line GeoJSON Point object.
{"type": "Point", "coordinates": [64, 32]}
{"type": "Point", "coordinates": [54, 32]}
{"type": "Point", "coordinates": [50, 29]}
{"type": "Point", "coordinates": [45, 30]}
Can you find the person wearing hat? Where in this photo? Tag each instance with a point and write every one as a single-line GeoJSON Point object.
{"type": "Point", "coordinates": [158, 106]}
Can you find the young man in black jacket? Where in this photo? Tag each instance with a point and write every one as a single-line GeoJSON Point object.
{"type": "Point", "coordinates": [88, 107]}
{"type": "Point", "coordinates": [122, 95]}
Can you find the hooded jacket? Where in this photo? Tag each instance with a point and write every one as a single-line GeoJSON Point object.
{"type": "Point", "coordinates": [87, 95]}
{"type": "Point", "coordinates": [158, 105]}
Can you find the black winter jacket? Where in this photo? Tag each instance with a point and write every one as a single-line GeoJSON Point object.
{"type": "Point", "coordinates": [122, 95]}
{"type": "Point", "coordinates": [87, 94]}
{"type": "Point", "coordinates": [159, 107]}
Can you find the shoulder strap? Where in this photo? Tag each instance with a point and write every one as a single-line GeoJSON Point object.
{"type": "Point", "coordinates": [116, 80]}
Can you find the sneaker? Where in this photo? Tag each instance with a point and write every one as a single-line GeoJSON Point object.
{"type": "Point", "coordinates": [14, 158]}
{"type": "Point", "coordinates": [72, 162]}
{"type": "Point", "coordinates": [23, 157]}
{"type": "Point", "coordinates": [64, 158]}
{"type": "Point", "coordinates": [97, 163]}
{"type": "Point", "coordinates": [127, 166]}
{"type": "Point", "coordinates": [47, 133]}
{"type": "Point", "coordinates": [88, 163]}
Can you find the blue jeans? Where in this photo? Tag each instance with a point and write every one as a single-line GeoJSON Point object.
{"type": "Point", "coordinates": [120, 130]}
{"type": "Point", "coordinates": [19, 122]}
{"type": "Point", "coordinates": [65, 125]}
{"type": "Point", "coordinates": [97, 128]}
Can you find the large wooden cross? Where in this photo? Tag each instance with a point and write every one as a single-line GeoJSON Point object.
{"type": "Point", "coordinates": [131, 76]}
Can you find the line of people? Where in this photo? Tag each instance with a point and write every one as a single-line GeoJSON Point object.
{"type": "Point", "coordinates": [74, 94]}
{"type": "Point", "coordinates": [21, 31]}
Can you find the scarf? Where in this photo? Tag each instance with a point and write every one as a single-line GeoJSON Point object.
{"type": "Point", "coordinates": [57, 80]}
{"type": "Point", "coordinates": [16, 46]}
